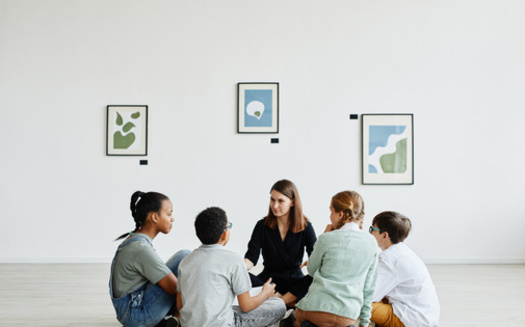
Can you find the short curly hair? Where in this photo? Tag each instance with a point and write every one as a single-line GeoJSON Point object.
{"type": "Point", "coordinates": [210, 224]}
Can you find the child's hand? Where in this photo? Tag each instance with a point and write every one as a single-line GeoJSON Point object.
{"type": "Point", "coordinates": [304, 264]}
{"type": "Point", "coordinates": [329, 228]}
{"type": "Point", "coordinates": [268, 288]}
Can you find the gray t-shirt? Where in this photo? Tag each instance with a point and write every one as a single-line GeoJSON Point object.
{"type": "Point", "coordinates": [209, 279]}
{"type": "Point", "coordinates": [137, 264]}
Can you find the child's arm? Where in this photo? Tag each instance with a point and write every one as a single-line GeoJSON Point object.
{"type": "Point", "coordinates": [248, 303]}
{"type": "Point", "coordinates": [169, 284]}
{"type": "Point", "coordinates": [179, 301]}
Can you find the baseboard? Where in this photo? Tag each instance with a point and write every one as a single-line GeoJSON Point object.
{"type": "Point", "coordinates": [55, 260]}
{"type": "Point", "coordinates": [258, 268]}
{"type": "Point", "coordinates": [475, 261]}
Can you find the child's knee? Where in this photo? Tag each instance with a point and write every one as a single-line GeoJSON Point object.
{"type": "Point", "coordinates": [277, 305]}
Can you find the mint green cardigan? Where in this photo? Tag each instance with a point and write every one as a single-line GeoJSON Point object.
{"type": "Point", "coordinates": [343, 266]}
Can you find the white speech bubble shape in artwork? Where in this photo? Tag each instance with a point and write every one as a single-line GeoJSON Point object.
{"type": "Point", "coordinates": [255, 109]}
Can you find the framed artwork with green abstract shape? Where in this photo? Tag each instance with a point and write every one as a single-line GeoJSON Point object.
{"type": "Point", "coordinates": [127, 130]}
{"type": "Point", "coordinates": [388, 149]}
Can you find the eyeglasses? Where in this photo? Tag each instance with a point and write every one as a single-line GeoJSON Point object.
{"type": "Point", "coordinates": [372, 228]}
{"type": "Point", "coordinates": [229, 226]}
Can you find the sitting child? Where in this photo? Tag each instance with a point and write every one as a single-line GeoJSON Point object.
{"type": "Point", "coordinates": [405, 294]}
{"type": "Point", "coordinates": [210, 277]}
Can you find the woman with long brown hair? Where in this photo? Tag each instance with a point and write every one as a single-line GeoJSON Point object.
{"type": "Point", "coordinates": [282, 237]}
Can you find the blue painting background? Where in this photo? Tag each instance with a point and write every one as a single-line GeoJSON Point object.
{"type": "Point", "coordinates": [378, 135]}
{"type": "Point", "coordinates": [264, 96]}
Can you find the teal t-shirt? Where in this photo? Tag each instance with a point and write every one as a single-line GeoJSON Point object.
{"type": "Point", "coordinates": [135, 265]}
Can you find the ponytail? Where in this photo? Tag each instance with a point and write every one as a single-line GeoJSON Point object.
{"type": "Point", "coordinates": [141, 205]}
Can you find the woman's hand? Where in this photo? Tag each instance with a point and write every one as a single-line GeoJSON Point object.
{"type": "Point", "coordinates": [248, 264]}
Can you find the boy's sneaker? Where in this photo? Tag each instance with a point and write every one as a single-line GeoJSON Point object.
{"type": "Point", "coordinates": [288, 319]}
{"type": "Point", "coordinates": [169, 321]}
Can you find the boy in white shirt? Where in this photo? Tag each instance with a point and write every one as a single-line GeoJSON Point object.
{"type": "Point", "coordinates": [210, 277]}
{"type": "Point", "coordinates": [405, 295]}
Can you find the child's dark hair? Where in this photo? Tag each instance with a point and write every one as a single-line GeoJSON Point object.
{"type": "Point", "coordinates": [395, 224]}
{"type": "Point", "coordinates": [141, 205]}
{"type": "Point", "coordinates": [210, 224]}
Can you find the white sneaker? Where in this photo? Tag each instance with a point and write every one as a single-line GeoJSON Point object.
{"type": "Point", "coordinates": [288, 319]}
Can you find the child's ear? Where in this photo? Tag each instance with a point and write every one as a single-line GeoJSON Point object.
{"type": "Point", "coordinates": [152, 216]}
{"type": "Point", "coordinates": [223, 236]}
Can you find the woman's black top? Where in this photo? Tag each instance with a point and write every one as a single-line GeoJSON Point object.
{"type": "Point", "coordinates": [280, 258]}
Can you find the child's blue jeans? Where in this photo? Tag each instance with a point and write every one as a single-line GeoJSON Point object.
{"type": "Point", "coordinates": [267, 314]}
{"type": "Point", "coordinates": [146, 306]}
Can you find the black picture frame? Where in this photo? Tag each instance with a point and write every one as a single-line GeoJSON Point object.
{"type": "Point", "coordinates": [127, 130]}
{"type": "Point", "coordinates": [387, 149]}
{"type": "Point", "coordinates": [258, 108]}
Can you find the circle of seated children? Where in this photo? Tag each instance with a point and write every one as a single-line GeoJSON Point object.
{"type": "Point", "coordinates": [282, 236]}
{"type": "Point", "coordinates": [143, 287]}
{"type": "Point", "coordinates": [145, 291]}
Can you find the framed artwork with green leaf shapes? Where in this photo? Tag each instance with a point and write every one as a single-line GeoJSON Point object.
{"type": "Point", "coordinates": [127, 130]}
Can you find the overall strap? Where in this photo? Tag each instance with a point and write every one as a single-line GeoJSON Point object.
{"type": "Point", "coordinates": [120, 248]}
{"type": "Point", "coordinates": [131, 240]}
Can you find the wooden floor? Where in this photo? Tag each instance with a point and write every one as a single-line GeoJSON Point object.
{"type": "Point", "coordinates": [77, 295]}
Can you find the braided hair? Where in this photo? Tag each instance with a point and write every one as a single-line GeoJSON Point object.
{"type": "Point", "coordinates": [141, 205]}
{"type": "Point", "coordinates": [351, 204]}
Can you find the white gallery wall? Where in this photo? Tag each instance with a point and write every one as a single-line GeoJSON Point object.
{"type": "Point", "coordinates": [458, 66]}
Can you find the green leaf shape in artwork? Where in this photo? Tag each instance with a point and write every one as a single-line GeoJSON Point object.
{"type": "Point", "coordinates": [123, 142]}
{"type": "Point", "coordinates": [135, 115]}
{"type": "Point", "coordinates": [120, 121]}
{"type": "Point", "coordinates": [128, 127]}
{"type": "Point", "coordinates": [395, 163]}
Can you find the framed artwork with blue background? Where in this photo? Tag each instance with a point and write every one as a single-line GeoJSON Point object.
{"type": "Point", "coordinates": [388, 149]}
{"type": "Point", "coordinates": [258, 108]}
{"type": "Point", "coordinates": [127, 130]}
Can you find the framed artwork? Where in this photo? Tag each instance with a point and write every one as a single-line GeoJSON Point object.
{"type": "Point", "coordinates": [258, 108]}
{"type": "Point", "coordinates": [388, 149]}
{"type": "Point", "coordinates": [127, 131]}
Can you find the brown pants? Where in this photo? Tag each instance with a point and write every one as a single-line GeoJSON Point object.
{"type": "Point", "coordinates": [321, 319]}
{"type": "Point", "coordinates": [383, 315]}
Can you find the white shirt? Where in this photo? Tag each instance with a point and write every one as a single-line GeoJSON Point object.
{"type": "Point", "coordinates": [404, 280]}
{"type": "Point", "coordinates": [350, 226]}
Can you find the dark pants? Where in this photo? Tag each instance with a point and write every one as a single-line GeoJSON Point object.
{"type": "Point", "coordinates": [298, 286]}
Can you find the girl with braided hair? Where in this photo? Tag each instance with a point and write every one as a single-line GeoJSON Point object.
{"type": "Point", "coordinates": [143, 288]}
{"type": "Point", "coordinates": [343, 266]}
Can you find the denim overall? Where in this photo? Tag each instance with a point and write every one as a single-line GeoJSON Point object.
{"type": "Point", "coordinates": [146, 306]}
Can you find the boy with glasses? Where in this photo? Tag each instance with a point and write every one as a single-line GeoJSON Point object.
{"type": "Point", "coordinates": [210, 277]}
{"type": "Point", "coordinates": [405, 294]}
